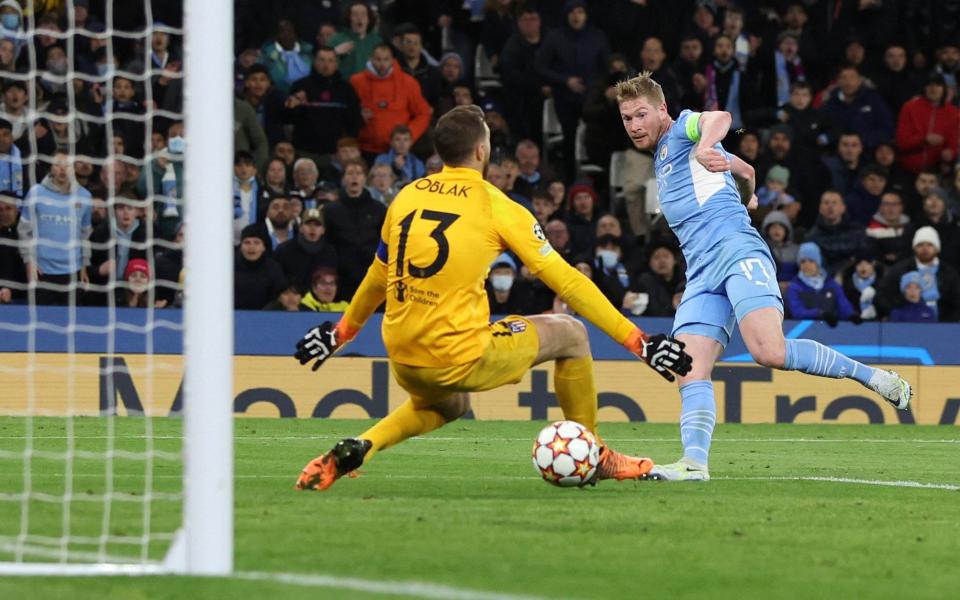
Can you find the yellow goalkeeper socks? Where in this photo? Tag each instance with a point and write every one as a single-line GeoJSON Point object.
{"type": "Point", "coordinates": [405, 422]}
{"type": "Point", "coordinates": [577, 391]}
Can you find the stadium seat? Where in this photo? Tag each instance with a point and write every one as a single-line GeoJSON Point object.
{"type": "Point", "coordinates": [651, 201]}
{"type": "Point", "coordinates": [580, 152]}
{"type": "Point", "coordinates": [486, 77]}
{"type": "Point", "coordinates": [552, 132]}
{"type": "Point", "coordinates": [616, 177]}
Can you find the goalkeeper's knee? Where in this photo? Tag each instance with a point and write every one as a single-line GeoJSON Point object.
{"type": "Point", "coordinates": [453, 407]}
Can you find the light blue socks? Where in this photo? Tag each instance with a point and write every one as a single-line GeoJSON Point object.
{"type": "Point", "coordinates": [698, 415]}
{"type": "Point", "coordinates": [698, 412]}
{"type": "Point", "coordinates": [816, 359]}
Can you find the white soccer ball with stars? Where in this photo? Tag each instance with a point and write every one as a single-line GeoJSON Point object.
{"type": "Point", "coordinates": [566, 454]}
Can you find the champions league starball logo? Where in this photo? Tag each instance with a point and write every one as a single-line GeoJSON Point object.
{"type": "Point", "coordinates": [538, 232]}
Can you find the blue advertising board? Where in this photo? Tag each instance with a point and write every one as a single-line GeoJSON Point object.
{"type": "Point", "coordinates": [263, 333]}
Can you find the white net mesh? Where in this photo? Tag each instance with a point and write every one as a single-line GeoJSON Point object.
{"type": "Point", "coordinates": [90, 462]}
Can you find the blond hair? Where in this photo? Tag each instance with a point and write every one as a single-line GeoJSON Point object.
{"type": "Point", "coordinates": [641, 86]}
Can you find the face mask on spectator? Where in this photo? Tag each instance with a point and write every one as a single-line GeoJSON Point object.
{"type": "Point", "coordinates": [11, 21]}
{"type": "Point", "coordinates": [103, 69]}
{"type": "Point", "coordinates": [608, 258]}
{"type": "Point", "coordinates": [57, 66]}
{"type": "Point", "coordinates": [176, 145]}
{"type": "Point", "coordinates": [501, 283]}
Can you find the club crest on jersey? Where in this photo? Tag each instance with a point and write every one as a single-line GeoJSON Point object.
{"type": "Point", "coordinates": [663, 152]}
{"type": "Point", "coordinates": [538, 232]}
{"type": "Point", "coordinates": [517, 326]}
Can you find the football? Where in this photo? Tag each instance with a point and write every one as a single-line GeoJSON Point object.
{"type": "Point", "coordinates": [566, 454]}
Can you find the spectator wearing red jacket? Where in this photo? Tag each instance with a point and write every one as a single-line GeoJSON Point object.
{"type": "Point", "coordinates": [927, 129]}
{"type": "Point", "coordinates": [388, 97]}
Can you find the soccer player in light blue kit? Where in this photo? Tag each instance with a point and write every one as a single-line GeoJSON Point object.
{"type": "Point", "coordinates": [731, 277]}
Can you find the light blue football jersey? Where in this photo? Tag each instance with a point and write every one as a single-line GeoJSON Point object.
{"type": "Point", "coordinates": [702, 208]}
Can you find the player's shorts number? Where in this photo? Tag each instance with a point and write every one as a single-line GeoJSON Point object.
{"type": "Point", "coordinates": [754, 270]}
{"type": "Point", "coordinates": [444, 221]}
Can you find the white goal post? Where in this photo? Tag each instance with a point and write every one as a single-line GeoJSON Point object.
{"type": "Point", "coordinates": [203, 545]}
{"type": "Point", "coordinates": [208, 320]}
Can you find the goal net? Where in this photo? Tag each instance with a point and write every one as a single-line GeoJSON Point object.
{"type": "Point", "coordinates": [116, 333]}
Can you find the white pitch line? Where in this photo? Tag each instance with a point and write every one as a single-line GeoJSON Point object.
{"type": "Point", "coordinates": [475, 477]}
{"type": "Point", "coordinates": [416, 589]}
{"type": "Point", "coordinates": [879, 482]}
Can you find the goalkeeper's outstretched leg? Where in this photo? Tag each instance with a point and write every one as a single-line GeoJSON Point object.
{"type": "Point", "coordinates": [413, 417]}
{"type": "Point", "coordinates": [440, 395]}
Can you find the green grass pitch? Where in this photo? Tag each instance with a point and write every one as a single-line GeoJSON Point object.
{"type": "Point", "coordinates": [462, 508]}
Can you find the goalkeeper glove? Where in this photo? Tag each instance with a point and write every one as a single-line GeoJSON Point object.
{"type": "Point", "coordinates": [322, 341]}
{"type": "Point", "coordinates": [663, 353]}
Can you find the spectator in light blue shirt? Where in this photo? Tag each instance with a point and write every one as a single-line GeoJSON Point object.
{"type": "Point", "coordinates": [285, 57]}
{"type": "Point", "coordinates": [11, 167]}
{"type": "Point", "coordinates": [54, 230]}
{"type": "Point", "coordinates": [11, 25]}
{"type": "Point", "coordinates": [406, 166]}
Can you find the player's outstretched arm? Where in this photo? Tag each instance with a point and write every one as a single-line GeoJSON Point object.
{"type": "Point", "coordinates": [322, 341]}
{"type": "Point", "coordinates": [746, 179]}
{"type": "Point", "coordinates": [521, 232]}
{"type": "Point", "coordinates": [663, 353]}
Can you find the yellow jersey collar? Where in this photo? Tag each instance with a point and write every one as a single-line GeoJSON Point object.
{"type": "Point", "coordinates": [465, 172]}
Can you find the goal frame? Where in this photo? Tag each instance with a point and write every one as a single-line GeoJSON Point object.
{"type": "Point", "coordinates": [204, 544]}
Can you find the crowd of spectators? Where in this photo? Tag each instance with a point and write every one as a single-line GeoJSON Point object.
{"type": "Point", "coordinates": [847, 111]}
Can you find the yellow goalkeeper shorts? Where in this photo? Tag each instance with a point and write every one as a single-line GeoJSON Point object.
{"type": "Point", "coordinates": [513, 347]}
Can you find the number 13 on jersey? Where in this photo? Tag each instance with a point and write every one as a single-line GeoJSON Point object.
{"type": "Point", "coordinates": [444, 221]}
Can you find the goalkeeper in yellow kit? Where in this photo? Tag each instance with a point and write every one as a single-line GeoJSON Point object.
{"type": "Point", "coordinates": [440, 236]}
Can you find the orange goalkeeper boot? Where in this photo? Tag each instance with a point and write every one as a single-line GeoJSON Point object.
{"type": "Point", "coordinates": [345, 457]}
{"type": "Point", "coordinates": [614, 465]}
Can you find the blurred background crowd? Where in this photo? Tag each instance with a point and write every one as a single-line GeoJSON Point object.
{"type": "Point", "coordinates": [847, 109]}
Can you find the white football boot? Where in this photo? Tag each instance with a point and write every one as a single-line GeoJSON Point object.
{"type": "Point", "coordinates": [894, 389]}
{"type": "Point", "coordinates": [682, 470]}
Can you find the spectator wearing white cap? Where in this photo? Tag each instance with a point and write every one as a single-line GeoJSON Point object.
{"type": "Point", "coordinates": [939, 281]}
{"type": "Point", "coordinates": [935, 213]}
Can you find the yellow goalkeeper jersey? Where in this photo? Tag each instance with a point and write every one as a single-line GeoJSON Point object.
{"type": "Point", "coordinates": [439, 238]}
{"type": "Point", "coordinates": [440, 235]}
